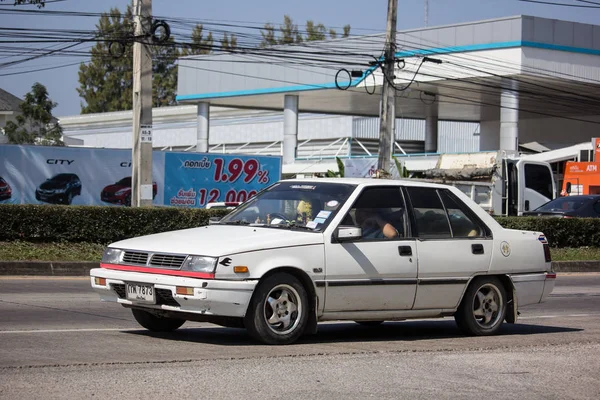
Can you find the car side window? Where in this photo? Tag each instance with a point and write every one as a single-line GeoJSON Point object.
{"type": "Point", "coordinates": [429, 212]}
{"type": "Point", "coordinates": [462, 225]}
{"type": "Point", "coordinates": [380, 212]}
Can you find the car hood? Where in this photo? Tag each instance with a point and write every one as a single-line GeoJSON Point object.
{"type": "Point", "coordinates": [220, 240]}
{"type": "Point", "coordinates": [49, 185]}
{"type": "Point", "coordinates": [115, 188]}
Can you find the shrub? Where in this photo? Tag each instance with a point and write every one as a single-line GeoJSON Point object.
{"type": "Point", "coordinates": [561, 232]}
{"type": "Point", "coordinates": [94, 224]}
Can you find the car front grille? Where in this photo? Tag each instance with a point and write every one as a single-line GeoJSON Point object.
{"type": "Point", "coordinates": [165, 296]}
{"type": "Point", "coordinates": [119, 288]}
{"type": "Point", "coordinates": [135, 257]}
{"type": "Point", "coordinates": [167, 261]}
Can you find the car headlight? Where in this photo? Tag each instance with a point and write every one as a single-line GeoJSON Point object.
{"type": "Point", "coordinates": [121, 191]}
{"type": "Point", "coordinates": [112, 256]}
{"type": "Point", "coordinates": [62, 190]}
{"type": "Point", "coordinates": [200, 264]}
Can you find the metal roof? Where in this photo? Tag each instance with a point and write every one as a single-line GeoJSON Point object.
{"type": "Point", "coordinates": [8, 101]}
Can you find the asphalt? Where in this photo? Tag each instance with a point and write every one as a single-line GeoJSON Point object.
{"type": "Point", "coordinates": [57, 340]}
{"type": "Point", "coordinates": [82, 268]}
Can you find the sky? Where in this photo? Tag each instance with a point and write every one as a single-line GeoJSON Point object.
{"type": "Point", "coordinates": [364, 17]}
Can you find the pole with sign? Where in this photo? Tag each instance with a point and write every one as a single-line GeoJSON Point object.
{"type": "Point", "coordinates": [141, 182]}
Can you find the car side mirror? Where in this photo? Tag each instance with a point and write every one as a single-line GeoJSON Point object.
{"type": "Point", "coordinates": [347, 233]}
{"type": "Point", "coordinates": [569, 187]}
{"type": "Point", "coordinates": [214, 220]}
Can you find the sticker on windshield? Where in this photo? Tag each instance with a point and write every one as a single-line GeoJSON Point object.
{"type": "Point", "coordinates": [276, 221]}
{"type": "Point", "coordinates": [332, 203]}
{"type": "Point", "coordinates": [303, 187]}
{"type": "Point", "coordinates": [320, 220]}
{"type": "Point", "coordinates": [311, 224]}
{"type": "Point", "coordinates": [324, 214]}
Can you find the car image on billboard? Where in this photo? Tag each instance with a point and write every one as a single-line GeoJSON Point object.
{"type": "Point", "coordinates": [120, 192]}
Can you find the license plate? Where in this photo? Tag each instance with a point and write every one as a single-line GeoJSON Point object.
{"type": "Point", "coordinates": [140, 292]}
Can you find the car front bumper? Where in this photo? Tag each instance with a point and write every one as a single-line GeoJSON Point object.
{"type": "Point", "coordinates": [210, 297]}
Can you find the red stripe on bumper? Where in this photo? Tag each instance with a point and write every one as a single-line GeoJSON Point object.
{"type": "Point", "coordinates": [551, 275]}
{"type": "Point", "coordinates": [148, 270]}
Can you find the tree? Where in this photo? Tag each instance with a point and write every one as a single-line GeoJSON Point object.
{"type": "Point", "coordinates": [199, 44]}
{"type": "Point", "coordinates": [35, 124]}
{"type": "Point", "coordinates": [106, 82]}
{"type": "Point", "coordinates": [229, 42]}
{"type": "Point", "coordinates": [289, 33]}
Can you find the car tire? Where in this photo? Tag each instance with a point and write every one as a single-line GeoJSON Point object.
{"type": "Point", "coordinates": [483, 307]}
{"type": "Point", "coordinates": [369, 323]}
{"type": "Point", "coordinates": [128, 200]}
{"type": "Point", "coordinates": [155, 323]}
{"type": "Point", "coordinates": [69, 198]}
{"type": "Point", "coordinates": [278, 311]}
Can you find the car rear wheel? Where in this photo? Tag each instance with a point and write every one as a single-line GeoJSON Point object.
{"type": "Point", "coordinates": [278, 312]}
{"type": "Point", "coordinates": [155, 323]}
{"type": "Point", "coordinates": [483, 307]}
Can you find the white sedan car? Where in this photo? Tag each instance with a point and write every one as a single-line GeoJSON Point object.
{"type": "Point", "coordinates": [304, 251]}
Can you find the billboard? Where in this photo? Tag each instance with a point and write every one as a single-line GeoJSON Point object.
{"type": "Point", "coordinates": [63, 175]}
{"type": "Point", "coordinates": [193, 180]}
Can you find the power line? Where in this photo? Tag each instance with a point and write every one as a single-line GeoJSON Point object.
{"type": "Point", "coordinates": [550, 3]}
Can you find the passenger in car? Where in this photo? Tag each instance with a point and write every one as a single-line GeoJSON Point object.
{"type": "Point", "coordinates": [373, 226]}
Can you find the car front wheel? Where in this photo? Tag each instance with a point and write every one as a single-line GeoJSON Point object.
{"type": "Point", "coordinates": [483, 307]}
{"type": "Point", "coordinates": [278, 312]}
{"type": "Point", "coordinates": [155, 323]}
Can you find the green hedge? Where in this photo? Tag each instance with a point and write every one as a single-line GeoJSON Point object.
{"type": "Point", "coordinates": [108, 224]}
{"type": "Point", "coordinates": [561, 232]}
{"type": "Point", "coordinates": [103, 225]}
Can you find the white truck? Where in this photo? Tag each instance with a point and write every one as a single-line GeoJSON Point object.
{"type": "Point", "coordinates": [500, 182]}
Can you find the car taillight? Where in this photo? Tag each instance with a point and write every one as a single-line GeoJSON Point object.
{"type": "Point", "coordinates": [547, 254]}
{"type": "Point", "coordinates": [567, 216]}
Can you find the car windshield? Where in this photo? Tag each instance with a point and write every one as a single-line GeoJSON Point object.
{"type": "Point", "coordinates": [125, 182]}
{"type": "Point", "coordinates": [293, 205]}
{"type": "Point", "coordinates": [563, 204]}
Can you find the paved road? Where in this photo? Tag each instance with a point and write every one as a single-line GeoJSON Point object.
{"type": "Point", "coordinates": [57, 340]}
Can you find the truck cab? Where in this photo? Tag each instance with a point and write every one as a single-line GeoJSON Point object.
{"type": "Point", "coordinates": [525, 185]}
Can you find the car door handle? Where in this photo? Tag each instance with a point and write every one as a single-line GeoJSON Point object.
{"type": "Point", "coordinates": [405, 250]}
{"type": "Point", "coordinates": [477, 248]}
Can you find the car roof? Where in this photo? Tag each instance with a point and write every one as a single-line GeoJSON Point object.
{"type": "Point", "coordinates": [370, 182]}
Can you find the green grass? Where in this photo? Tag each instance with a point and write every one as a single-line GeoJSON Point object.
{"type": "Point", "coordinates": [60, 251]}
{"type": "Point", "coordinates": [64, 251]}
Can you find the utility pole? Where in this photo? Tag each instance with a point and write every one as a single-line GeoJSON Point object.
{"type": "Point", "coordinates": [388, 95]}
{"type": "Point", "coordinates": [141, 178]}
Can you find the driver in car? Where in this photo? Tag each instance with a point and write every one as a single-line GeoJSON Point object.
{"type": "Point", "coordinates": [373, 226]}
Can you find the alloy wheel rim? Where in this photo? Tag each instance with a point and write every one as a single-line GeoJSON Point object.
{"type": "Point", "coordinates": [487, 306]}
{"type": "Point", "coordinates": [282, 309]}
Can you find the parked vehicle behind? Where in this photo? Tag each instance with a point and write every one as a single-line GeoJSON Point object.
{"type": "Point", "coordinates": [569, 207]}
{"type": "Point", "coordinates": [60, 189]}
{"type": "Point", "coordinates": [304, 251]}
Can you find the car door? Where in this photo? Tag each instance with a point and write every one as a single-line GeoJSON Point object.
{"type": "Point", "coordinates": [374, 272]}
{"type": "Point", "coordinates": [453, 245]}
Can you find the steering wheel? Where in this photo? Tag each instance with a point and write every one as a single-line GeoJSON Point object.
{"type": "Point", "coordinates": [277, 215]}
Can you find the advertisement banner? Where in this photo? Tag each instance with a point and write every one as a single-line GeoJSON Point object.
{"type": "Point", "coordinates": [63, 175]}
{"type": "Point", "coordinates": [193, 180]}
{"type": "Point", "coordinates": [596, 142]}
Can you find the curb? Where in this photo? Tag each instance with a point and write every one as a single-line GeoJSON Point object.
{"type": "Point", "coordinates": [47, 268]}
{"type": "Point", "coordinates": [82, 268]}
